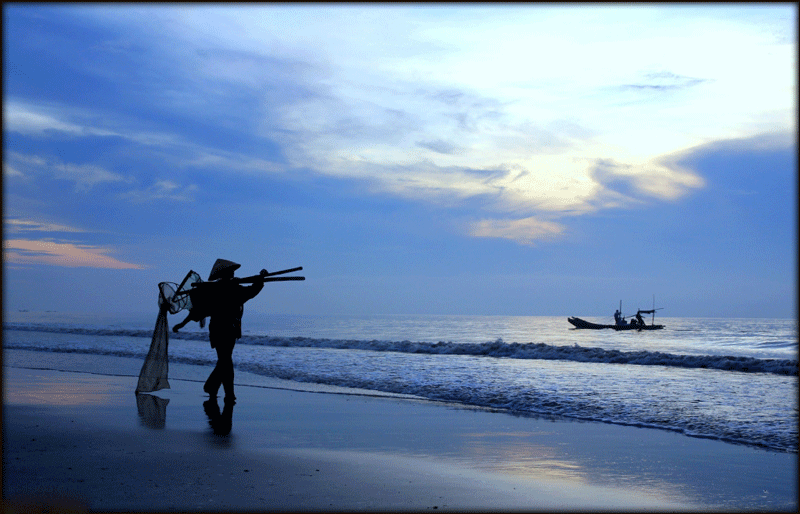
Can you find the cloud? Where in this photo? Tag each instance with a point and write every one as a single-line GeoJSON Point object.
{"type": "Point", "coordinates": [39, 120]}
{"type": "Point", "coordinates": [85, 176]}
{"type": "Point", "coordinates": [662, 179]}
{"type": "Point", "coordinates": [163, 190]}
{"type": "Point", "coordinates": [777, 140]}
{"type": "Point", "coordinates": [19, 119]}
{"type": "Point", "coordinates": [438, 146]}
{"type": "Point", "coordinates": [24, 225]}
{"type": "Point", "coordinates": [208, 158]}
{"type": "Point", "coordinates": [55, 119]}
{"type": "Point", "coordinates": [525, 231]}
{"type": "Point", "coordinates": [69, 255]}
{"type": "Point", "coordinates": [444, 111]}
{"type": "Point", "coordinates": [10, 171]}
{"type": "Point", "coordinates": [664, 81]}
{"type": "Point", "coordinates": [184, 152]}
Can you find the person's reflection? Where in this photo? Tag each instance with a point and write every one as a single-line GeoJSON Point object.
{"type": "Point", "coordinates": [221, 423]}
{"type": "Point", "coordinates": [152, 410]}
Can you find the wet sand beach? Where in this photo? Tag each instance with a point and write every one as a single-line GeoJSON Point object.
{"type": "Point", "coordinates": [81, 441]}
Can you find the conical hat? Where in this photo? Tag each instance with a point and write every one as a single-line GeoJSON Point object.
{"type": "Point", "coordinates": [220, 266]}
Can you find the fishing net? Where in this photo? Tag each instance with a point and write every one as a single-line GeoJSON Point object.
{"type": "Point", "coordinates": [172, 298]}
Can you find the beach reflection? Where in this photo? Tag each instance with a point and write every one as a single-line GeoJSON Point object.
{"type": "Point", "coordinates": [57, 388]}
{"type": "Point", "coordinates": [513, 453]}
{"type": "Point", "coordinates": [221, 423]}
{"type": "Point", "coordinates": [152, 410]}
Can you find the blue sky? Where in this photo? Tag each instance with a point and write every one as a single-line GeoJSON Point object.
{"type": "Point", "coordinates": [414, 159]}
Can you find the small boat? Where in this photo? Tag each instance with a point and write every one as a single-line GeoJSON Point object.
{"type": "Point", "coordinates": [636, 323]}
{"type": "Point", "coordinates": [580, 323]}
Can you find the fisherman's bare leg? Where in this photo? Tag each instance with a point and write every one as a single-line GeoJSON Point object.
{"type": "Point", "coordinates": [222, 375]}
{"type": "Point", "coordinates": [226, 368]}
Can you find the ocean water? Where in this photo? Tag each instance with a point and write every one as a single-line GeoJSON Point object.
{"type": "Point", "coordinates": [734, 380]}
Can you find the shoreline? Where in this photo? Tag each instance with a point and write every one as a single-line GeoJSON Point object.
{"type": "Point", "coordinates": [90, 441]}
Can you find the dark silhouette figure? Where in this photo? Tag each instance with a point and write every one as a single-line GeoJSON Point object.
{"type": "Point", "coordinates": [226, 300]}
{"type": "Point", "coordinates": [221, 423]}
{"type": "Point", "coordinates": [192, 316]}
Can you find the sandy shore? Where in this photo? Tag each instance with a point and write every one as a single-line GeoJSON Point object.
{"type": "Point", "coordinates": [85, 441]}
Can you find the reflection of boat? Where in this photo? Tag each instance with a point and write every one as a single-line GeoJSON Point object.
{"type": "Point", "coordinates": [579, 323]}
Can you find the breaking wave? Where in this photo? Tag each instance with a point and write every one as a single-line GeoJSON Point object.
{"type": "Point", "coordinates": [493, 349]}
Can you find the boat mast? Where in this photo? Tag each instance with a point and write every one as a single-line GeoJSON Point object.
{"type": "Point", "coordinates": [653, 319]}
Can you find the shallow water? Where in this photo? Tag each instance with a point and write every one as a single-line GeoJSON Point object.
{"type": "Point", "coordinates": [727, 379]}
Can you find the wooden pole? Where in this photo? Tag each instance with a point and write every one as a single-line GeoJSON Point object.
{"type": "Point", "coordinates": [259, 278]}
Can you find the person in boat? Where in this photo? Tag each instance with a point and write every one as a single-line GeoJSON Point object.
{"type": "Point", "coordinates": [225, 303]}
{"type": "Point", "coordinates": [639, 320]}
{"type": "Point", "coordinates": [618, 319]}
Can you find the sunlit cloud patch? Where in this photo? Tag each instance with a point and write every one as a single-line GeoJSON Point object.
{"type": "Point", "coordinates": [69, 255]}
{"type": "Point", "coordinates": [32, 242]}
{"type": "Point", "coordinates": [524, 231]}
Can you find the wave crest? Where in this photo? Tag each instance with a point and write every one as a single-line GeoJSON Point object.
{"type": "Point", "coordinates": [495, 349]}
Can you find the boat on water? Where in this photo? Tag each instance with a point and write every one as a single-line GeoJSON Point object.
{"type": "Point", "coordinates": [636, 323]}
{"type": "Point", "coordinates": [580, 323]}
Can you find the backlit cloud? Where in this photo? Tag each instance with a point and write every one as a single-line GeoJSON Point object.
{"type": "Point", "coordinates": [21, 248]}
{"type": "Point", "coordinates": [69, 255]}
{"type": "Point", "coordinates": [577, 107]}
{"type": "Point", "coordinates": [524, 231]}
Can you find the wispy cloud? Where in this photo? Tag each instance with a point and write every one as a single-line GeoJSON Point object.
{"type": "Point", "coordinates": [524, 231]}
{"type": "Point", "coordinates": [84, 176]}
{"type": "Point", "coordinates": [438, 146]}
{"type": "Point", "coordinates": [27, 120]}
{"type": "Point", "coordinates": [221, 160]}
{"type": "Point", "coordinates": [23, 249]}
{"type": "Point", "coordinates": [24, 225]}
{"type": "Point", "coordinates": [664, 81]}
{"type": "Point", "coordinates": [57, 119]}
{"type": "Point", "coordinates": [69, 255]}
{"type": "Point", "coordinates": [10, 171]}
{"type": "Point", "coordinates": [655, 179]}
{"type": "Point", "coordinates": [163, 190]}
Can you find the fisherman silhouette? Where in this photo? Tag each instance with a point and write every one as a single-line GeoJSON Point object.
{"type": "Point", "coordinates": [225, 302]}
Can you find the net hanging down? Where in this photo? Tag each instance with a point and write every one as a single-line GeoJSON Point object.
{"type": "Point", "coordinates": [153, 375]}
